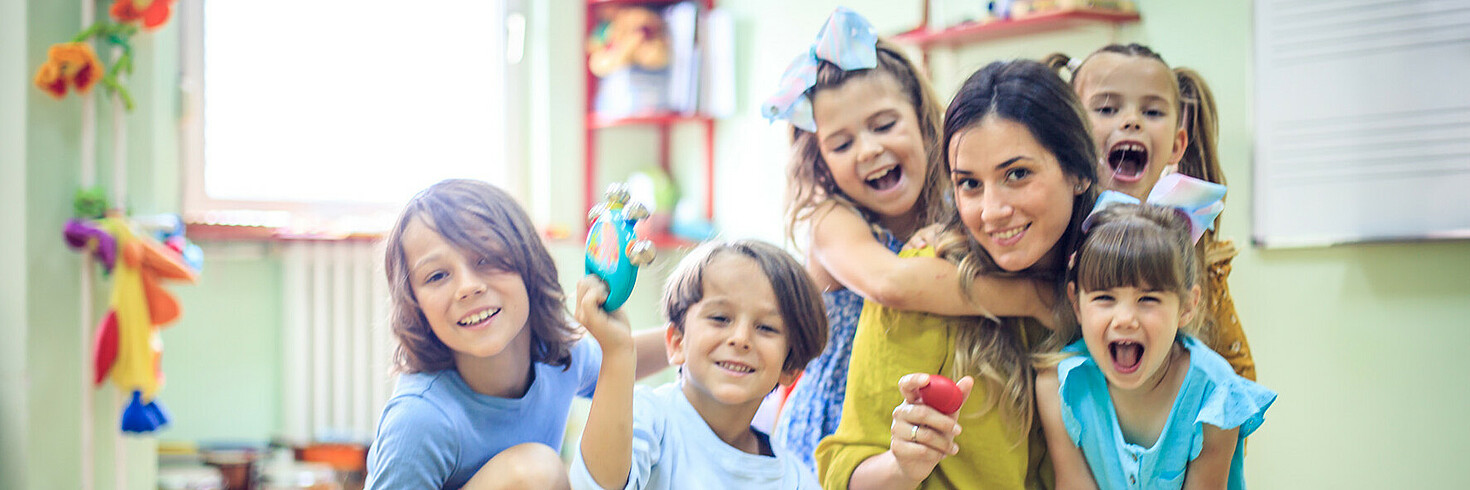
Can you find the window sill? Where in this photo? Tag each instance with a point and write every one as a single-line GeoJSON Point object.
{"type": "Point", "coordinates": [210, 232]}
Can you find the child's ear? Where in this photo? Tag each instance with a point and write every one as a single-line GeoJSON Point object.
{"type": "Point", "coordinates": [1072, 298]}
{"type": "Point", "coordinates": [1189, 305]}
{"type": "Point", "coordinates": [788, 377]}
{"type": "Point", "coordinates": [1181, 142]}
{"type": "Point", "coordinates": [674, 344]}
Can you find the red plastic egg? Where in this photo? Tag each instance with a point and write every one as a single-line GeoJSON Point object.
{"type": "Point", "coordinates": [942, 394]}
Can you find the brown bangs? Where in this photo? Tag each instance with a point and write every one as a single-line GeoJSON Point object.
{"type": "Point", "coordinates": [1132, 251]}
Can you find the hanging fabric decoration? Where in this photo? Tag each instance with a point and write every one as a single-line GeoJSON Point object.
{"type": "Point", "coordinates": [127, 346]}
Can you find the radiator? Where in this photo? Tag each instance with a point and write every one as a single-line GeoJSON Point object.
{"type": "Point", "coordinates": [337, 345]}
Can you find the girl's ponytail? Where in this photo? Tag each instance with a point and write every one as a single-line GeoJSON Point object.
{"type": "Point", "coordinates": [1059, 61]}
{"type": "Point", "coordinates": [1202, 161]}
{"type": "Point", "coordinates": [1201, 120]}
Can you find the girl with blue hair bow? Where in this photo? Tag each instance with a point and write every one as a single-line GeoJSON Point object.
{"type": "Point", "coordinates": [865, 177]}
{"type": "Point", "coordinates": [1136, 399]}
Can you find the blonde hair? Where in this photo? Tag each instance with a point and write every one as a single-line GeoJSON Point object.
{"type": "Point", "coordinates": [809, 182]}
{"type": "Point", "coordinates": [1028, 93]}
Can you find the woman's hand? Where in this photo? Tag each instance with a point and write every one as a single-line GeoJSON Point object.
{"type": "Point", "coordinates": [921, 435]}
{"type": "Point", "coordinates": [609, 328]}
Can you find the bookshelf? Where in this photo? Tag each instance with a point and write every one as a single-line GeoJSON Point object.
{"type": "Point", "coordinates": [662, 122]}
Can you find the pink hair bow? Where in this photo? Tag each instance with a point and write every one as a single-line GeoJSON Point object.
{"type": "Point", "coordinates": [1195, 199]}
{"type": "Point", "coordinates": [846, 40]}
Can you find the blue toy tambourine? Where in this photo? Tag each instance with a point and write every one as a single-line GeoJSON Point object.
{"type": "Point", "coordinates": [614, 252]}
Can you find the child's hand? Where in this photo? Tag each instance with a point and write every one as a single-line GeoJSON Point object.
{"type": "Point", "coordinates": [609, 328]}
{"type": "Point", "coordinates": [921, 435]}
{"type": "Point", "coordinates": [926, 236]}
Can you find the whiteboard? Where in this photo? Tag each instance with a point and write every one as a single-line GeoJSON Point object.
{"type": "Point", "coordinates": [1362, 115]}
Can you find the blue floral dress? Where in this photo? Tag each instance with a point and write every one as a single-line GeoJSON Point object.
{"type": "Point", "coordinates": [814, 407]}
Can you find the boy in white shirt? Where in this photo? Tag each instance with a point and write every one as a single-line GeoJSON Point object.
{"type": "Point", "coordinates": [743, 317]}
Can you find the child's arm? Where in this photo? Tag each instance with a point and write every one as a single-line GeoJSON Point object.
{"type": "Point", "coordinates": [909, 461]}
{"type": "Point", "coordinates": [649, 344]}
{"type": "Point", "coordinates": [1211, 470]}
{"type": "Point", "coordinates": [607, 440]}
{"type": "Point", "coordinates": [1227, 337]}
{"type": "Point", "coordinates": [414, 446]}
{"type": "Point", "coordinates": [843, 245]}
{"type": "Point", "coordinates": [1066, 458]}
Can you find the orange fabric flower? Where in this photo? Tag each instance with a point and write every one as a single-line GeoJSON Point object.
{"type": "Point", "coordinates": [69, 64]}
{"type": "Point", "coordinates": [153, 13]}
{"type": "Point", "coordinates": [49, 79]}
{"type": "Point", "coordinates": [79, 64]}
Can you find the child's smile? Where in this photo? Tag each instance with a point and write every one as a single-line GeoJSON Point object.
{"type": "Point", "coordinates": [479, 318]}
{"type": "Point", "coordinates": [1127, 355]}
{"type": "Point", "coordinates": [1128, 159]}
{"type": "Point", "coordinates": [735, 368]}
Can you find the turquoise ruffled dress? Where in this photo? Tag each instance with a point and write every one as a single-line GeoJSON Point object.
{"type": "Point", "coordinates": [1211, 394]}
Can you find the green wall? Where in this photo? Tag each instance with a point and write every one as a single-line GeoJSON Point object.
{"type": "Point", "coordinates": [42, 376]}
{"type": "Point", "coordinates": [14, 324]}
{"type": "Point", "coordinates": [223, 358]}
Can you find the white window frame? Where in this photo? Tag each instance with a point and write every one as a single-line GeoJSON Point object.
{"type": "Point", "coordinates": [317, 217]}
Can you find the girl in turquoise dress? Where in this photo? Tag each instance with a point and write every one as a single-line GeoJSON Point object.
{"type": "Point", "coordinates": [1135, 401]}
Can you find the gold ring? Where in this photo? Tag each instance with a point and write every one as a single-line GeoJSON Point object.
{"type": "Point", "coordinates": [914, 434]}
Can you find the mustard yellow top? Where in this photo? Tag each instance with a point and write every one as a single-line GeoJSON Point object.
{"type": "Point", "coordinates": [1224, 334]}
{"type": "Point", "coordinates": [892, 343]}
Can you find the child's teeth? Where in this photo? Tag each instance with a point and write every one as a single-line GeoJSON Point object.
{"type": "Point", "coordinates": [478, 317]}
{"type": "Point", "coordinates": [735, 367]}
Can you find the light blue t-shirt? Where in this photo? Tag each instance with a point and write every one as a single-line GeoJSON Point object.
{"type": "Point", "coordinates": [436, 432]}
{"type": "Point", "coordinates": [1211, 393]}
{"type": "Point", "coordinates": [674, 448]}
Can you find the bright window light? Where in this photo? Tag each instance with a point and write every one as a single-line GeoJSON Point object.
{"type": "Point", "coordinates": [349, 103]}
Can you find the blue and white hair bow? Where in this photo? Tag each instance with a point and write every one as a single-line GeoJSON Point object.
{"type": "Point", "coordinates": [846, 40]}
{"type": "Point", "coordinates": [1198, 200]}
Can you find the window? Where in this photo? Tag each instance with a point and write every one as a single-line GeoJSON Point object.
{"type": "Point", "coordinates": [326, 115]}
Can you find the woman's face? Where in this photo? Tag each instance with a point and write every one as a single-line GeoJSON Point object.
{"type": "Point", "coordinates": [1011, 192]}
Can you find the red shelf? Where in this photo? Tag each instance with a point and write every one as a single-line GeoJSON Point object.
{"type": "Point", "coordinates": [631, 2]}
{"type": "Point", "coordinates": [661, 119]}
{"type": "Point", "coordinates": [662, 122]}
{"type": "Point", "coordinates": [1043, 22]}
